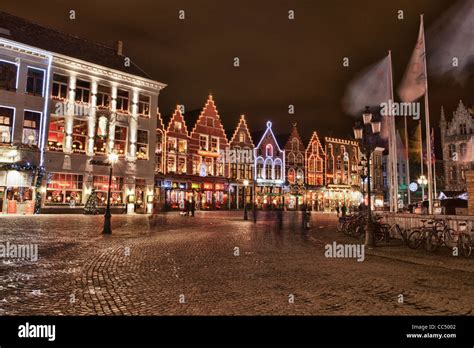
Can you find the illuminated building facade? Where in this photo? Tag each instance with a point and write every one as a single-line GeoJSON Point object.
{"type": "Point", "coordinates": [295, 170]}
{"type": "Point", "coordinates": [269, 171]}
{"type": "Point", "coordinates": [314, 173]}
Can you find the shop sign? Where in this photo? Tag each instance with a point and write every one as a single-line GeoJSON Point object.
{"type": "Point", "coordinates": [175, 185]}
{"type": "Point", "coordinates": [220, 187]}
{"type": "Point", "coordinates": [167, 184]}
{"type": "Point", "coordinates": [195, 186]}
{"type": "Point", "coordinates": [182, 185]}
{"type": "Point", "coordinates": [207, 186]}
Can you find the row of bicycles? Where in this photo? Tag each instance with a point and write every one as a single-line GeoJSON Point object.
{"type": "Point", "coordinates": [432, 235]}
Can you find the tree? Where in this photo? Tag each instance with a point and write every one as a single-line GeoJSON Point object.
{"type": "Point", "coordinates": [92, 204]}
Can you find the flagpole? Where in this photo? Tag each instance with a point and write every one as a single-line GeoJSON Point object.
{"type": "Point", "coordinates": [421, 159]}
{"type": "Point", "coordinates": [427, 126]}
{"type": "Point", "coordinates": [392, 152]}
{"type": "Point", "coordinates": [434, 168]}
{"type": "Point", "coordinates": [407, 162]}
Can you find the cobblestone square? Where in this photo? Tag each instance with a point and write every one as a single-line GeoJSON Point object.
{"type": "Point", "coordinates": [218, 264]}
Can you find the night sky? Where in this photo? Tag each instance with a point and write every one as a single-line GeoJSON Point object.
{"type": "Point", "coordinates": [282, 61]}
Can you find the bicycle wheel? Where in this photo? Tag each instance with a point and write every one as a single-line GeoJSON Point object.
{"type": "Point", "coordinates": [415, 239]}
{"type": "Point", "coordinates": [432, 241]}
{"type": "Point", "coordinates": [464, 244]}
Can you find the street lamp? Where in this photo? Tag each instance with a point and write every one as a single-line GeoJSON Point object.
{"type": "Point", "coordinates": [362, 166]}
{"type": "Point", "coordinates": [422, 181]}
{"type": "Point", "coordinates": [367, 134]}
{"type": "Point", "coordinates": [113, 158]}
{"type": "Point", "coordinates": [246, 183]}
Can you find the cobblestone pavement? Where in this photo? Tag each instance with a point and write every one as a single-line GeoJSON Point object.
{"type": "Point", "coordinates": [173, 265]}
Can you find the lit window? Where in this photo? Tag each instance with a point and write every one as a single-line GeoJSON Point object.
{"type": "Point", "coordinates": [241, 137]}
{"type": "Point", "coordinates": [103, 97]}
{"type": "Point", "coordinates": [64, 188]}
{"type": "Point", "coordinates": [269, 150]}
{"type": "Point", "coordinates": [6, 121]}
{"type": "Point", "coordinates": [79, 136]}
{"type": "Point", "coordinates": [82, 91]}
{"type": "Point", "coordinates": [122, 100]}
{"type": "Point", "coordinates": [182, 165]}
{"type": "Point", "coordinates": [31, 122]}
{"type": "Point", "coordinates": [120, 141]}
{"type": "Point", "coordinates": [56, 134]}
{"type": "Point", "coordinates": [60, 87]}
{"type": "Point", "coordinates": [142, 144]}
{"type": "Point", "coordinates": [203, 142]}
{"type": "Point", "coordinates": [182, 145]}
{"type": "Point", "coordinates": [214, 144]}
{"type": "Point", "coordinates": [144, 105]}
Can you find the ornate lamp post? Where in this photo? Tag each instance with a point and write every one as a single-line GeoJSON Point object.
{"type": "Point", "coordinates": [246, 183]}
{"type": "Point", "coordinates": [113, 158]}
{"type": "Point", "coordinates": [363, 174]}
{"type": "Point", "coordinates": [422, 181]}
{"type": "Point", "coordinates": [367, 134]}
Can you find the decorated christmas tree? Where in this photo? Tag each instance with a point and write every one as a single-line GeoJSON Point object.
{"type": "Point", "coordinates": [92, 204]}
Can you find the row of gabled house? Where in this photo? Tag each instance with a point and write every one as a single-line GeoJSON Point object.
{"type": "Point", "coordinates": [66, 104]}
{"type": "Point", "coordinates": [197, 160]}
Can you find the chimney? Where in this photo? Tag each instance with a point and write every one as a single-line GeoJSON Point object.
{"type": "Point", "coordinates": [120, 48]}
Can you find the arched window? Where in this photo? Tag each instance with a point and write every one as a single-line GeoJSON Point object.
{"type": "Point", "coordinates": [291, 175]}
{"type": "Point", "coordinates": [260, 168]}
{"type": "Point", "coordinates": [311, 164]}
{"type": "Point", "coordinates": [268, 169]}
{"type": "Point", "coordinates": [299, 159]}
{"type": "Point", "coordinates": [269, 150]}
{"type": "Point", "coordinates": [294, 144]}
{"type": "Point", "coordinates": [315, 147]}
{"type": "Point", "coordinates": [452, 150]}
{"type": "Point", "coordinates": [300, 176]}
{"type": "Point", "coordinates": [278, 171]}
{"type": "Point", "coordinates": [291, 158]}
{"type": "Point", "coordinates": [463, 150]}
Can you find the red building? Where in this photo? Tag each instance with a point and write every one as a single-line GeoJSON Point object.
{"type": "Point", "coordinates": [208, 145]}
{"type": "Point", "coordinates": [314, 173]}
{"type": "Point", "coordinates": [295, 169]}
{"type": "Point", "coordinates": [240, 158]}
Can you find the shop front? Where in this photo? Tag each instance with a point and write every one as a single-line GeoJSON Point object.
{"type": "Point", "coordinates": [175, 194]}
{"type": "Point", "coordinates": [315, 199]}
{"type": "Point", "coordinates": [295, 197]}
{"type": "Point", "coordinates": [213, 196]}
{"type": "Point", "coordinates": [269, 197]}
{"type": "Point", "coordinates": [337, 196]}
{"type": "Point", "coordinates": [16, 192]}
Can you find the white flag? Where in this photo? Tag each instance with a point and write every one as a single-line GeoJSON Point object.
{"type": "Point", "coordinates": [369, 88]}
{"type": "Point", "coordinates": [413, 85]}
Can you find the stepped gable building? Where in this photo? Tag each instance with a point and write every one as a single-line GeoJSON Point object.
{"type": "Point", "coordinates": [208, 145]}
{"type": "Point", "coordinates": [342, 178]}
{"type": "Point", "coordinates": [269, 170]}
{"type": "Point", "coordinates": [295, 169]}
{"type": "Point", "coordinates": [314, 172]}
{"type": "Point", "coordinates": [241, 164]}
{"type": "Point", "coordinates": [457, 143]}
{"type": "Point", "coordinates": [94, 101]}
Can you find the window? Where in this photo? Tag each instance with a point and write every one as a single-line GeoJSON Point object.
{"type": "Point", "coordinates": [233, 170]}
{"type": "Point", "coordinates": [269, 150]}
{"type": "Point", "coordinates": [463, 150]}
{"type": "Point", "coordinates": [314, 147]}
{"type": "Point", "coordinates": [203, 142]}
{"type": "Point", "coordinates": [122, 100]}
{"type": "Point", "coordinates": [278, 172]}
{"type": "Point", "coordinates": [241, 137]}
{"type": "Point", "coordinates": [319, 165]}
{"type": "Point", "coordinates": [259, 168]}
{"type": "Point", "coordinates": [83, 89]}
{"type": "Point", "coordinates": [101, 134]}
{"type": "Point", "coordinates": [31, 123]}
{"type": "Point", "coordinates": [35, 81]}
{"type": "Point", "coordinates": [182, 145]}
{"type": "Point", "coordinates": [209, 161]}
{"type": "Point", "coordinates": [6, 122]}
{"type": "Point", "coordinates": [159, 142]}
{"type": "Point", "coordinates": [171, 163]}
{"type": "Point", "coordinates": [291, 158]}
{"type": "Point", "coordinates": [242, 171]}
{"type": "Point", "coordinates": [182, 165]}
{"type": "Point", "coordinates": [171, 144]}
{"type": "Point", "coordinates": [268, 169]}
{"type": "Point", "coordinates": [56, 133]}
{"type": "Point", "coordinates": [196, 164]}
{"type": "Point", "coordinates": [214, 144]}
{"type": "Point", "coordinates": [210, 122]}
{"type": "Point", "coordinates": [249, 172]}
{"type": "Point", "coordinates": [63, 188]}
{"type": "Point", "coordinates": [120, 142]}
{"type": "Point", "coordinates": [101, 186]}
{"type": "Point", "coordinates": [144, 105]}
{"type": "Point", "coordinates": [299, 159]}
{"type": "Point", "coordinates": [291, 175]}
{"type": "Point", "coordinates": [299, 176]}
{"type": "Point", "coordinates": [103, 97]}
{"type": "Point", "coordinates": [295, 144]}
{"type": "Point", "coordinates": [8, 76]}
{"type": "Point", "coordinates": [452, 173]}
{"type": "Point", "coordinates": [142, 144]}
{"type": "Point", "coordinates": [338, 163]}
{"type": "Point", "coordinates": [177, 126]}
{"type": "Point", "coordinates": [462, 129]}
{"type": "Point", "coordinates": [60, 86]}
{"type": "Point", "coordinates": [219, 167]}
{"type": "Point", "coordinates": [311, 165]}
{"type": "Point", "coordinates": [452, 150]}
{"type": "Point", "coordinates": [79, 136]}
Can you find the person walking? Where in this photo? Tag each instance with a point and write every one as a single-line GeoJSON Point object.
{"type": "Point", "coordinates": [193, 206]}
{"type": "Point", "coordinates": [343, 211]}
{"type": "Point", "coordinates": [337, 210]}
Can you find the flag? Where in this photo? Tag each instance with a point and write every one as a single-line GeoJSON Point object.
{"type": "Point", "coordinates": [401, 152]}
{"type": "Point", "coordinates": [370, 88]}
{"type": "Point", "coordinates": [413, 85]}
{"type": "Point", "coordinates": [451, 45]}
{"type": "Point", "coordinates": [415, 145]}
{"type": "Point", "coordinates": [433, 156]}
